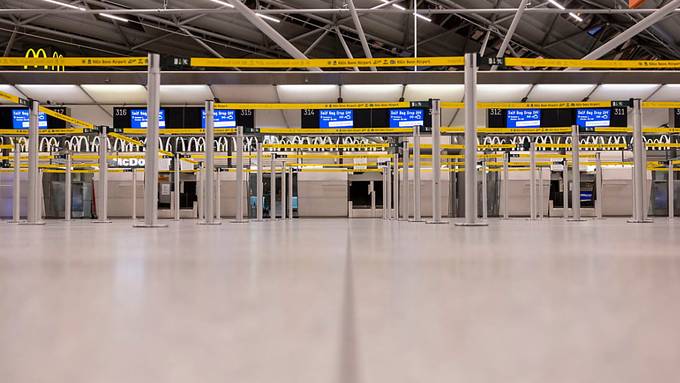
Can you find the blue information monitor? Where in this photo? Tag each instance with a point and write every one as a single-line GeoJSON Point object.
{"type": "Point", "coordinates": [591, 118]}
{"type": "Point", "coordinates": [523, 118]}
{"type": "Point", "coordinates": [224, 118]}
{"type": "Point", "coordinates": [336, 118]}
{"type": "Point", "coordinates": [406, 118]}
{"type": "Point", "coordinates": [139, 119]}
{"type": "Point", "coordinates": [21, 119]}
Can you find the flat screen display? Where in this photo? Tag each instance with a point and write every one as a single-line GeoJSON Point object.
{"type": "Point", "coordinates": [523, 118]}
{"type": "Point", "coordinates": [406, 118]}
{"type": "Point", "coordinates": [224, 118]}
{"type": "Point", "coordinates": [139, 119]}
{"type": "Point", "coordinates": [586, 196]}
{"type": "Point", "coordinates": [336, 118]}
{"type": "Point", "coordinates": [21, 119]}
{"type": "Point", "coordinates": [592, 118]}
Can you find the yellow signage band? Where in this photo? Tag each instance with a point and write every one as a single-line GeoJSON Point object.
{"type": "Point", "coordinates": [592, 64]}
{"type": "Point", "coordinates": [327, 63]}
{"type": "Point", "coordinates": [660, 104]}
{"type": "Point", "coordinates": [42, 132]}
{"type": "Point", "coordinates": [10, 97]}
{"type": "Point", "coordinates": [346, 131]}
{"type": "Point", "coordinates": [73, 61]}
{"type": "Point", "coordinates": [334, 105]}
{"type": "Point", "coordinates": [544, 105]}
{"type": "Point", "coordinates": [325, 146]}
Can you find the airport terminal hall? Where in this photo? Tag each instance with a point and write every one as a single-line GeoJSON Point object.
{"type": "Point", "coordinates": [342, 191]}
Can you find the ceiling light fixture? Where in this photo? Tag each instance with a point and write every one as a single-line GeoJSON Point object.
{"type": "Point", "coordinates": [423, 17]}
{"type": "Point", "coordinates": [560, 6]}
{"type": "Point", "coordinates": [222, 3]}
{"type": "Point", "coordinates": [268, 18]}
{"type": "Point", "coordinates": [65, 5]}
{"type": "Point", "coordinates": [114, 17]}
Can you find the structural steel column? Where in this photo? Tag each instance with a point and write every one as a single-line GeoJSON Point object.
{"type": "Point", "coordinates": [33, 175]}
{"type": "Point", "coordinates": [395, 185]}
{"type": "Point", "coordinates": [598, 185]}
{"type": "Point", "coordinates": [532, 181]}
{"type": "Point", "coordinates": [388, 183]}
{"type": "Point", "coordinates": [416, 175]}
{"type": "Point", "coordinates": [152, 140]}
{"type": "Point", "coordinates": [290, 193]}
{"type": "Point", "coordinates": [506, 185]}
{"type": "Point", "coordinates": [471, 141]}
{"type": "Point", "coordinates": [68, 186]}
{"type": "Point", "coordinates": [639, 166]}
{"type": "Point", "coordinates": [360, 31]}
{"type": "Point", "coordinates": [575, 175]}
{"type": "Point", "coordinates": [405, 198]}
{"type": "Point", "coordinates": [176, 179]}
{"type": "Point", "coordinates": [134, 194]}
{"type": "Point", "coordinates": [239, 176]}
{"type": "Point", "coordinates": [671, 190]}
{"type": "Point", "coordinates": [272, 188]}
{"type": "Point", "coordinates": [511, 31]}
{"type": "Point", "coordinates": [103, 190]}
{"type": "Point", "coordinates": [209, 188]}
{"type": "Point", "coordinates": [384, 191]}
{"type": "Point", "coordinates": [565, 192]}
{"type": "Point", "coordinates": [16, 195]}
{"type": "Point", "coordinates": [260, 186]}
{"type": "Point", "coordinates": [541, 193]}
{"type": "Point", "coordinates": [436, 163]}
{"type": "Point", "coordinates": [218, 196]}
{"type": "Point", "coordinates": [283, 189]}
{"type": "Point", "coordinates": [485, 191]}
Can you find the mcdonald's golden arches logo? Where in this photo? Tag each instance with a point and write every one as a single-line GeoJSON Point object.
{"type": "Point", "coordinates": [32, 53]}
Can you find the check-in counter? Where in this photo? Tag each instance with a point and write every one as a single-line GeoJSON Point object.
{"type": "Point", "coordinates": [228, 194]}
{"type": "Point", "coordinates": [519, 190]}
{"type": "Point", "coordinates": [426, 192]}
{"type": "Point", "coordinates": [322, 194]}
{"type": "Point", "coordinates": [120, 194]}
{"type": "Point", "coordinates": [7, 194]}
{"type": "Point", "coordinates": [617, 184]}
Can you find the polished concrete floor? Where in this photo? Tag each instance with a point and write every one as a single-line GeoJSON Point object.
{"type": "Point", "coordinates": [341, 301]}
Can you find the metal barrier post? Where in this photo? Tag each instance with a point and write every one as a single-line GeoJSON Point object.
{"type": "Point", "coordinates": [598, 186]}
{"type": "Point", "coordinates": [388, 180]}
{"type": "Point", "coordinates": [239, 176]}
{"type": "Point", "coordinates": [283, 189]}
{"type": "Point", "coordinates": [639, 165]}
{"type": "Point", "coordinates": [416, 175]}
{"type": "Point", "coordinates": [209, 189]}
{"type": "Point", "coordinates": [103, 190]}
{"type": "Point", "coordinates": [575, 176]}
{"type": "Point", "coordinates": [176, 175]}
{"type": "Point", "coordinates": [405, 197]}
{"type": "Point", "coordinates": [68, 186]}
{"type": "Point", "coordinates": [16, 195]}
{"type": "Point", "coordinates": [371, 191]}
{"type": "Point", "coordinates": [384, 191]}
{"type": "Point", "coordinates": [436, 163]}
{"type": "Point", "coordinates": [134, 194]}
{"type": "Point", "coordinates": [671, 190]}
{"type": "Point", "coordinates": [485, 191]}
{"type": "Point", "coordinates": [33, 176]}
{"type": "Point", "coordinates": [565, 192]}
{"type": "Point", "coordinates": [260, 186]}
{"type": "Point", "coordinates": [201, 192]}
{"type": "Point", "coordinates": [272, 189]}
{"type": "Point", "coordinates": [532, 181]}
{"type": "Point", "coordinates": [471, 142]}
{"type": "Point", "coordinates": [506, 186]}
{"type": "Point", "coordinates": [151, 147]}
{"type": "Point", "coordinates": [541, 193]}
{"type": "Point", "coordinates": [395, 186]}
{"type": "Point", "coordinates": [218, 196]}
{"type": "Point", "coordinates": [290, 192]}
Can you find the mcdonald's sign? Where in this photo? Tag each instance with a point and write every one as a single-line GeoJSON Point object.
{"type": "Point", "coordinates": [32, 53]}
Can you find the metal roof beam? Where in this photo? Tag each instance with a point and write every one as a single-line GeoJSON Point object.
{"type": "Point", "coordinates": [360, 32]}
{"type": "Point", "coordinates": [511, 30]}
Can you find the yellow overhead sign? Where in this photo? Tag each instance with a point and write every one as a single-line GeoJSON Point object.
{"type": "Point", "coordinates": [327, 63]}
{"type": "Point", "coordinates": [544, 105]}
{"type": "Point", "coordinates": [592, 64]}
{"type": "Point", "coordinates": [63, 117]}
{"type": "Point", "coordinates": [660, 104]}
{"type": "Point", "coordinates": [346, 131]}
{"type": "Point", "coordinates": [10, 97]}
{"type": "Point", "coordinates": [73, 61]}
{"type": "Point", "coordinates": [336, 105]}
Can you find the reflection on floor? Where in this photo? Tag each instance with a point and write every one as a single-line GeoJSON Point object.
{"type": "Point", "coordinates": [340, 301]}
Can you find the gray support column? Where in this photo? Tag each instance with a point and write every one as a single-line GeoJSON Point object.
{"type": "Point", "coordinates": [134, 194]}
{"type": "Point", "coordinates": [103, 189]}
{"type": "Point", "coordinates": [506, 186]}
{"type": "Point", "coordinates": [405, 197]}
{"type": "Point", "coordinates": [598, 186]}
{"type": "Point", "coordinates": [395, 187]}
{"type": "Point", "coordinates": [290, 193]}
{"type": "Point", "coordinates": [388, 183]}
{"type": "Point", "coordinates": [209, 175]}
{"type": "Point", "coordinates": [416, 175]}
{"type": "Point", "coordinates": [260, 186]}
{"type": "Point", "coordinates": [671, 190]}
{"type": "Point", "coordinates": [239, 176]}
{"type": "Point", "coordinates": [541, 193]}
{"type": "Point", "coordinates": [384, 191]}
{"type": "Point", "coordinates": [16, 187]}
{"type": "Point", "coordinates": [471, 141]}
{"type": "Point", "coordinates": [532, 181]}
{"type": "Point", "coordinates": [436, 163]}
{"type": "Point", "coordinates": [201, 192]}
{"type": "Point", "coordinates": [176, 175]}
{"type": "Point", "coordinates": [575, 176]}
{"type": "Point", "coordinates": [639, 166]}
{"type": "Point", "coordinates": [272, 189]}
{"type": "Point", "coordinates": [371, 190]}
{"type": "Point", "coordinates": [33, 175]}
{"type": "Point", "coordinates": [218, 195]}
{"type": "Point", "coordinates": [565, 192]}
{"type": "Point", "coordinates": [485, 191]}
{"type": "Point", "coordinates": [283, 189]}
{"type": "Point", "coordinates": [151, 147]}
{"type": "Point", "coordinates": [68, 186]}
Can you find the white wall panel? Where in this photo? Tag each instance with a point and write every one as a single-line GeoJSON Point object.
{"type": "Point", "coordinates": [93, 114]}
{"type": "Point", "coordinates": [606, 92]}
{"type": "Point", "coordinates": [56, 94]}
{"type": "Point", "coordinates": [185, 94]}
{"type": "Point", "coordinates": [560, 92]}
{"type": "Point", "coordinates": [245, 93]}
{"type": "Point", "coordinates": [368, 93]}
{"type": "Point", "coordinates": [117, 94]}
{"type": "Point", "coordinates": [501, 92]}
{"type": "Point", "coordinates": [444, 92]}
{"type": "Point", "coordinates": [308, 93]}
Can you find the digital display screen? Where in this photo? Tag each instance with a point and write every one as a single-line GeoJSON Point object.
{"type": "Point", "coordinates": [591, 118]}
{"type": "Point", "coordinates": [406, 118]}
{"type": "Point", "coordinates": [523, 118]}
{"type": "Point", "coordinates": [586, 196]}
{"type": "Point", "coordinates": [223, 118]}
{"type": "Point", "coordinates": [336, 118]}
{"type": "Point", "coordinates": [21, 119]}
{"type": "Point", "coordinates": [139, 119]}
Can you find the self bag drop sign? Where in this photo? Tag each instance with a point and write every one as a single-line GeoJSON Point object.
{"type": "Point", "coordinates": [336, 118]}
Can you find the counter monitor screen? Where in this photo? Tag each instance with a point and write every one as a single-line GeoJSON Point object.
{"type": "Point", "coordinates": [406, 118]}
{"type": "Point", "coordinates": [224, 118]}
{"type": "Point", "coordinates": [336, 118]}
{"type": "Point", "coordinates": [139, 120]}
{"type": "Point", "coordinates": [21, 119]}
{"type": "Point", "coordinates": [523, 118]}
{"type": "Point", "coordinates": [592, 118]}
